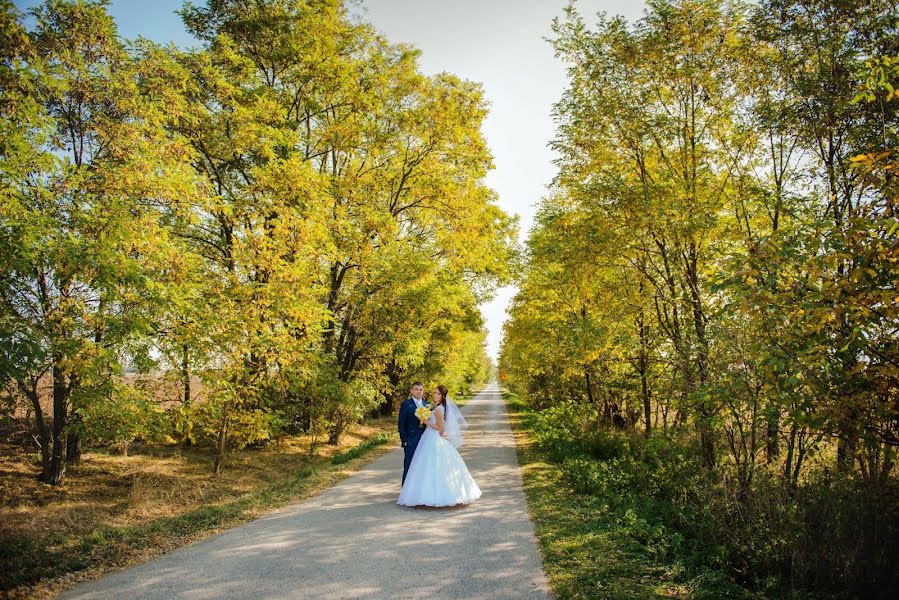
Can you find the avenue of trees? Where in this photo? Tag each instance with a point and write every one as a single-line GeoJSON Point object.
{"type": "Point", "coordinates": [283, 226]}
{"type": "Point", "coordinates": [717, 259]}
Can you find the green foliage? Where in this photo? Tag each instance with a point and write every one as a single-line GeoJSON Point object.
{"type": "Point", "coordinates": [714, 269]}
{"type": "Point", "coordinates": [719, 245]}
{"type": "Point", "coordinates": [556, 429]}
{"type": "Point", "coordinates": [600, 536]}
{"type": "Point", "coordinates": [290, 221]}
{"type": "Point", "coordinates": [123, 417]}
{"type": "Point", "coordinates": [706, 313]}
{"type": "Point", "coordinates": [86, 258]}
{"type": "Point", "coordinates": [834, 536]}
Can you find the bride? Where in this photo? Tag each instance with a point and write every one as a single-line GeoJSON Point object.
{"type": "Point", "coordinates": [437, 475]}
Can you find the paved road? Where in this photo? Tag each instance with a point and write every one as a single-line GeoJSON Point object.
{"type": "Point", "coordinates": [353, 541]}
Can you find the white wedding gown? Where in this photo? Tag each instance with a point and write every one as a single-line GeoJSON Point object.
{"type": "Point", "coordinates": [437, 474]}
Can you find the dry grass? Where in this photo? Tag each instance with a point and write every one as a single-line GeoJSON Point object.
{"type": "Point", "coordinates": [115, 510]}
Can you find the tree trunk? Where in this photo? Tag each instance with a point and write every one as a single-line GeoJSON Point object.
{"type": "Point", "coordinates": [57, 468]}
{"type": "Point", "coordinates": [643, 365]}
{"type": "Point", "coordinates": [706, 410]}
{"type": "Point", "coordinates": [336, 430]}
{"type": "Point", "coordinates": [847, 447]}
{"type": "Point", "coordinates": [788, 462]}
{"type": "Point", "coordinates": [393, 396]}
{"type": "Point", "coordinates": [43, 432]}
{"type": "Point", "coordinates": [647, 404]}
{"type": "Point", "coordinates": [772, 437]}
{"type": "Point", "coordinates": [590, 398]}
{"type": "Point", "coordinates": [73, 447]}
{"type": "Point", "coordinates": [73, 438]}
{"type": "Point", "coordinates": [185, 395]}
{"type": "Point", "coordinates": [185, 376]}
{"type": "Point", "coordinates": [222, 444]}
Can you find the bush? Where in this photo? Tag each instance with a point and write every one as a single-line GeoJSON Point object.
{"type": "Point", "coordinates": [616, 462]}
{"type": "Point", "coordinates": [557, 430]}
{"type": "Point", "coordinates": [121, 417]}
{"type": "Point", "coordinates": [605, 444]}
{"type": "Point", "coordinates": [833, 536]}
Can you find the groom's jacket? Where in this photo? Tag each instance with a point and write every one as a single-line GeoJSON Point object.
{"type": "Point", "coordinates": [409, 426]}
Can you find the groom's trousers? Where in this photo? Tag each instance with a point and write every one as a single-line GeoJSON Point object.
{"type": "Point", "coordinates": [408, 452]}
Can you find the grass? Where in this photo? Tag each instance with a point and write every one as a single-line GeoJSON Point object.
{"type": "Point", "coordinates": [602, 545]}
{"type": "Point", "coordinates": [362, 449]}
{"type": "Point", "coordinates": [114, 511]}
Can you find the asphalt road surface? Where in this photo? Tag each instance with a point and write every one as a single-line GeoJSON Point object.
{"type": "Point", "coordinates": [354, 541]}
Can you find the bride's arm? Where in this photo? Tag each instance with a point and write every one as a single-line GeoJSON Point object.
{"type": "Point", "coordinates": [439, 425]}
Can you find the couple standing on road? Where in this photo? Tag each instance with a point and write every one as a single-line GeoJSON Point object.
{"type": "Point", "coordinates": [434, 473]}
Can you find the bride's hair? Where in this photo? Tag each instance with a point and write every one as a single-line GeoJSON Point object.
{"type": "Point", "coordinates": [443, 394]}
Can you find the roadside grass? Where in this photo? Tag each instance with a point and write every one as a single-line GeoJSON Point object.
{"type": "Point", "coordinates": [362, 449]}
{"type": "Point", "coordinates": [114, 511]}
{"type": "Point", "coordinates": [605, 543]}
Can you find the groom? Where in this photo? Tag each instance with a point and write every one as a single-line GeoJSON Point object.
{"type": "Point", "coordinates": [409, 425]}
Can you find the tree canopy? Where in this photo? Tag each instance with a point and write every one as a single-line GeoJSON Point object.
{"type": "Point", "coordinates": [291, 220]}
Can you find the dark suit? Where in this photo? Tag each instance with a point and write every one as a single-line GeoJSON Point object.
{"type": "Point", "coordinates": [410, 429]}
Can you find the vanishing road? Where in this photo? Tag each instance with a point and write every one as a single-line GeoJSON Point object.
{"type": "Point", "coordinates": [353, 541]}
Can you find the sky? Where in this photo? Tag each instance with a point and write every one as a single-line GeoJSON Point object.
{"type": "Point", "coordinates": [500, 43]}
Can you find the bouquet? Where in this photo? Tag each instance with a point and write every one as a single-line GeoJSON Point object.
{"type": "Point", "coordinates": [423, 413]}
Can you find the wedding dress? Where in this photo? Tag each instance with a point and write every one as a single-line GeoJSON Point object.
{"type": "Point", "coordinates": [437, 475]}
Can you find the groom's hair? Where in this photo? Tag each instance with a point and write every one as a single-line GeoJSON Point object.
{"type": "Point", "coordinates": [418, 383]}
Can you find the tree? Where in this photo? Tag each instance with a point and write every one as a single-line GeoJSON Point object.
{"type": "Point", "coordinates": [242, 216]}
{"type": "Point", "coordinates": [721, 226]}
{"type": "Point", "coordinates": [83, 242]}
{"type": "Point", "coordinates": [398, 160]}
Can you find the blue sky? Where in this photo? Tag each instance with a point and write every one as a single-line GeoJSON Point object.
{"type": "Point", "coordinates": [499, 43]}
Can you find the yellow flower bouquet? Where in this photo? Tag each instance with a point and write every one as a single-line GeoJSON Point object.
{"type": "Point", "coordinates": [423, 413]}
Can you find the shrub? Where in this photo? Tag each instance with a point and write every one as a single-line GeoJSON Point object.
{"type": "Point", "coordinates": [605, 444]}
{"type": "Point", "coordinates": [832, 536]}
{"type": "Point", "coordinates": [121, 417]}
{"type": "Point", "coordinates": [557, 430]}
